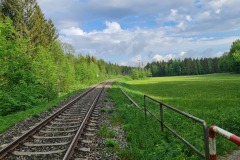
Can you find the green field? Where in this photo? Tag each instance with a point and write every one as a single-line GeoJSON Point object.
{"type": "Point", "coordinates": [213, 98]}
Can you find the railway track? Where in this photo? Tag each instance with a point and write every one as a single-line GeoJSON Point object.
{"type": "Point", "coordinates": [58, 135]}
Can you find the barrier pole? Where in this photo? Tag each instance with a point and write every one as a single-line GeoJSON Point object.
{"type": "Point", "coordinates": [212, 141]}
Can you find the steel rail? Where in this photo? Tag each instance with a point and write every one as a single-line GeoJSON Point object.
{"type": "Point", "coordinates": [75, 141]}
{"type": "Point", "coordinates": [10, 147]}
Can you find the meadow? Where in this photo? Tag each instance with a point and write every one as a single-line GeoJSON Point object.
{"type": "Point", "coordinates": [213, 98]}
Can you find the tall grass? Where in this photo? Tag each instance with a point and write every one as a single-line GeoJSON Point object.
{"type": "Point", "coordinates": [213, 98]}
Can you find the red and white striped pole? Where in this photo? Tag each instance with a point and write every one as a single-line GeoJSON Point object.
{"type": "Point", "coordinates": [212, 142]}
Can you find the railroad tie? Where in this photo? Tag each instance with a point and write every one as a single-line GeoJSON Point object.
{"type": "Point", "coordinates": [81, 159]}
{"type": "Point", "coordinates": [15, 138]}
{"type": "Point", "coordinates": [90, 129]}
{"type": "Point", "coordinates": [67, 131]}
{"type": "Point", "coordinates": [86, 141]}
{"type": "Point", "coordinates": [93, 121]}
{"type": "Point", "coordinates": [55, 137]}
{"type": "Point", "coordinates": [44, 144]}
{"type": "Point", "coordinates": [89, 134]}
{"type": "Point", "coordinates": [83, 149]}
{"type": "Point", "coordinates": [92, 124]}
{"type": "Point", "coordinates": [68, 119]}
{"type": "Point", "coordinates": [61, 127]}
{"type": "Point", "coordinates": [3, 145]}
{"type": "Point", "coordinates": [65, 123]}
{"type": "Point", "coordinates": [19, 153]}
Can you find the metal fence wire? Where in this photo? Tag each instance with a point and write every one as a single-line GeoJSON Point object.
{"type": "Point", "coordinates": [163, 125]}
{"type": "Point", "coordinates": [190, 117]}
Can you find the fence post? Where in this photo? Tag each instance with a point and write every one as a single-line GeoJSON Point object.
{"type": "Point", "coordinates": [206, 140]}
{"type": "Point", "coordinates": [161, 116]}
{"type": "Point", "coordinates": [145, 107]}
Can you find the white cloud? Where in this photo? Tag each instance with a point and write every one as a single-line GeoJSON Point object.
{"type": "Point", "coordinates": [173, 13]}
{"type": "Point", "coordinates": [72, 31]}
{"type": "Point", "coordinates": [182, 53]}
{"type": "Point", "coordinates": [217, 5]}
{"type": "Point", "coordinates": [188, 18]}
{"type": "Point", "coordinates": [157, 57]}
{"type": "Point", "coordinates": [204, 15]}
{"type": "Point", "coordinates": [187, 34]}
{"type": "Point", "coordinates": [167, 57]}
{"type": "Point", "coordinates": [181, 26]}
{"type": "Point", "coordinates": [112, 27]}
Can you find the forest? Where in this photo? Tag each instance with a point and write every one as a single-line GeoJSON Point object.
{"type": "Point", "coordinates": [228, 62]}
{"type": "Point", "coordinates": [36, 67]}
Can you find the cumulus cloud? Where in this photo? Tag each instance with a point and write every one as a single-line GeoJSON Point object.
{"type": "Point", "coordinates": [204, 15]}
{"type": "Point", "coordinates": [182, 53]}
{"type": "Point", "coordinates": [188, 18]}
{"type": "Point", "coordinates": [112, 27]}
{"type": "Point", "coordinates": [72, 31]}
{"type": "Point", "coordinates": [181, 26]}
{"type": "Point", "coordinates": [159, 57]}
{"type": "Point", "coordinates": [147, 43]}
{"type": "Point", "coordinates": [161, 30]}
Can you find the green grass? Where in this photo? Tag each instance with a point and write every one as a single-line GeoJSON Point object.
{"type": "Point", "coordinates": [104, 131]}
{"type": "Point", "coordinates": [12, 119]}
{"type": "Point", "coordinates": [111, 143]}
{"type": "Point", "coordinates": [213, 98]}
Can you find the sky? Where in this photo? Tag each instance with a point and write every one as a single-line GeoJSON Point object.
{"type": "Point", "coordinates": [133, 32]}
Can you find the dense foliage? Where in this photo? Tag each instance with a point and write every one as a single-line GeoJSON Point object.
{"type": "Point", "coordinates": [34, 66]}
{"type": "Point", "coordinates": [228, 62]}
{"type": "Point", "coordinates": [139, 73]}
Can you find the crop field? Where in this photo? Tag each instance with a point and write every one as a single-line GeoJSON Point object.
{"type": "Point", "coordinates": [214, 98]}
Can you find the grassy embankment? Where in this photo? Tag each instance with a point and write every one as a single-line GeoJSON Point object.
{"type": "Point", "coordinates": [12, 119]}
{"type": "Point", "coordinates": [213, 98]}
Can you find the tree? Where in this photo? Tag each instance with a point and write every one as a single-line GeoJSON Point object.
{"type": "Point", "coordinates": [45, 73]}
{"type": "Point", "coordinates": [29, 21]}
{"type": "Point", "coordinates": [17, 78]}
{"type": "Point", "coordinates": [235, 55]}
{"type": "Point", "coordinates": [14, 10]}
{"type": "Point", "coordinates": [37, 28]}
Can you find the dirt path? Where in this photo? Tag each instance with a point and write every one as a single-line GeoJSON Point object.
{"type": "Point", "coordinates": [233, 156]}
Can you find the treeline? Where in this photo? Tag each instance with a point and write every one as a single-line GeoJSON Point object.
{"type": "Point", "coordinates": [228, 62]}
{"type": "Point", "coordinates": [188, 66]}
{"type": "Point", "coordinates": [35, 67]}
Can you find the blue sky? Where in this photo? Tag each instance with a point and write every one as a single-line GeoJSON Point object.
{"type": "Point", "coordinates": [129, 31]}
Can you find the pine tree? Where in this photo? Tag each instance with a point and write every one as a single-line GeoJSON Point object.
{"type": "Point", "coordinates": [50, 32]}
{"type": "Point", "coordinates": [14, 9]}
{"type": "Point", "coordinates": [37, 28]}
{"type": "Point", "coordinates": [29, 21]}
{"type": "Point", "coordinates": [1, 15]}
